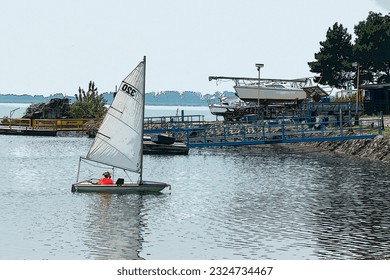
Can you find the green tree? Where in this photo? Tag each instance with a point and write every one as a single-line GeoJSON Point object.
{"type": "Point", "coordinates": [333, 61]}
{"type": "Point", "coordinates": [372, 48]}
{"type": "Point", "coordinates": [88, 104]}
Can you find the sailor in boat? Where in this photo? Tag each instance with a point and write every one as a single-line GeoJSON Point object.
{"type": "Point", "coordinates": [106, 180]}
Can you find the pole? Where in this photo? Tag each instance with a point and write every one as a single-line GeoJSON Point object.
{"type": "Point", "coordinates": [142, 121]}
{"type": "Point", "coordinates": [10, 116]}
{"type": "Point", "coordinates": [258, 93]}
{"type": "Point", "coordinates": [357, 90]}
{"type": "Point", "coordinates": [258, 66]}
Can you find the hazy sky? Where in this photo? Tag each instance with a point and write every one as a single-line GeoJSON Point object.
{"type": "Point", "coordinates": [50, 46]}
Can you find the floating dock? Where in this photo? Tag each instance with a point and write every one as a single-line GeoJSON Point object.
{"type": "Point", "coordinates": [27, 131]}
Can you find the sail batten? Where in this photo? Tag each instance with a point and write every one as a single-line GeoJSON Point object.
{"type": "Point", "coordinates": [124, 125]}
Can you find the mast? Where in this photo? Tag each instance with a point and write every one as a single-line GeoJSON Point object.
{"type": "Point", "coordinates": [143, 126]}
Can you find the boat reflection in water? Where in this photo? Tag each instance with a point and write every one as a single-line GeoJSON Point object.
{"type": "Point", "coordinates": [114, 230]}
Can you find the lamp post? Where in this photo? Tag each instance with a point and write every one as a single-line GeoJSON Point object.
{"type": "Point", "coordinates": [355, 64]}
{"type": "Point", "coordinates": [10, 116]}
{"type": "Point", "coordinates": [259, 66]}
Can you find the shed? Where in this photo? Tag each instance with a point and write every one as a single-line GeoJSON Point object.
{"type": "Point", "coordinates": [376, 98]}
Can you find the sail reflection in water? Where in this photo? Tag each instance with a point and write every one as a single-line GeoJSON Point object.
{"type": "Point", "coordinates": [113, 234]}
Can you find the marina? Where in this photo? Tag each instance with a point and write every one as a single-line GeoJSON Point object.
{"type": "Point", "coordinates": [194, 131]}
{"type": "Point", "coordinates": [286, 195]}
{"type": "Point", "coordinates": [261, 198]}
{"type": "Point", "coordinates": [118, 168]}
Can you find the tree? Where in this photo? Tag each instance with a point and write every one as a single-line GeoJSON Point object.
{"type": "Point", "coordinates": [88, 104]}
{"type": "Point", "coordinates": [333, 61]}
{"type": "Point", "coordinates": [372, 48]}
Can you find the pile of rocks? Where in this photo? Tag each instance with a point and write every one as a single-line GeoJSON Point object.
{"type": "Point", "coordinates": [373, 149]}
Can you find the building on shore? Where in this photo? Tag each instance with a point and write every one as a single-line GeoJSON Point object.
{"type": "Point", "coordinates": [376, 99]}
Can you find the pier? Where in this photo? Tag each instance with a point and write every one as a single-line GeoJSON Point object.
{"type": "Point", "coordinates": [194, 131]}
{"type": "Point", "coordinates": [197, 133]}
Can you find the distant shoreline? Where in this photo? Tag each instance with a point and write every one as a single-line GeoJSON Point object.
{"type": "Point", "coordinates": [165, 98]}
{"type": "Point", "coordinates": [173, 105]}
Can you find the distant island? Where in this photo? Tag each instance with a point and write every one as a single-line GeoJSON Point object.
{"type": "Point", "coordinates": [163, 98]}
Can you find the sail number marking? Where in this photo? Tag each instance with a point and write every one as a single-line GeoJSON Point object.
{"type": "Point", "coordinates": [128, 89]}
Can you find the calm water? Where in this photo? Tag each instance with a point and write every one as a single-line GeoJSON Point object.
{"type": "Point", "coordinates": [231, 203]}
{"type": "Point", "coordinates": [270, 202]}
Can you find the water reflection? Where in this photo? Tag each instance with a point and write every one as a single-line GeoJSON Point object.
{"type": "Point", "coordinates": [353, 221]}
{"type": "Point", "coordinates": [114, 228]}
{"type": "Point", "coordinates": [273, 203]}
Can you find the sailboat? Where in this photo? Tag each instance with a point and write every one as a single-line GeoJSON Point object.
{"type": "Point", "coordinates": [119, 140]}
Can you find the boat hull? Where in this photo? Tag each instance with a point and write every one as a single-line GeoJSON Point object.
{"type": "Point", "coordinates": [252, 94]}
{"type": "Point", "coordinates": [162, 139]}
{"type": "Point", "coordinates": [219, 110]}
{"type": "Point", "coordinates": [127, 187]}
{"type": "Point", "coordinates": [177, 148]}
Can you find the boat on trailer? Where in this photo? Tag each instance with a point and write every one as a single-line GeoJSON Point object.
{"type": "Point", "coordinates": [119, 141]}
{"type": "Point", "coordinates": [274, 91]}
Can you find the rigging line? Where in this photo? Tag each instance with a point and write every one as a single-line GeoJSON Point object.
{"type": "Point", "coordinates": [128, 176]}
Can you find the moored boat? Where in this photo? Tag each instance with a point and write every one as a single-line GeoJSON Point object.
{"type": "Point", "coordinates": [162, 139]}
{"type": "Point", "coordinates": [160, 148]}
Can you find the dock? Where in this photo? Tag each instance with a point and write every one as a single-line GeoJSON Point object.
{"type": "Point", "coordinates": [193, 131]}
{"type": "Point", "coordinates": [199, 133]}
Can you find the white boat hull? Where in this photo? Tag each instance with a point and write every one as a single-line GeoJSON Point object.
{"type": "Point", "coordinates": [252, 94]}
{"type": "Point", "coordinates": [219, 110]}
{"type": "Point", "coordinates": [125, 188]}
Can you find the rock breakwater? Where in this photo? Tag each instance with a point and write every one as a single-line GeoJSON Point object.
{"type": "Point", "coordinates": [373, 149]}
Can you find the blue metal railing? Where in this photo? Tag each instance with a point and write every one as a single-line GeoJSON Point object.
{"type": "Point", "coordinates": [282, 133]}
{"type": "Point", "coordinates": [197, 133]}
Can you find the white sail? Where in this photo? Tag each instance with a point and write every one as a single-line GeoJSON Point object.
{"type": "Point", "coordinates": [119, 140]}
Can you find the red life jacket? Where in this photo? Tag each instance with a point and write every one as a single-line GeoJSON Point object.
{"type": "Point", "coordinates": [105, 181]}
